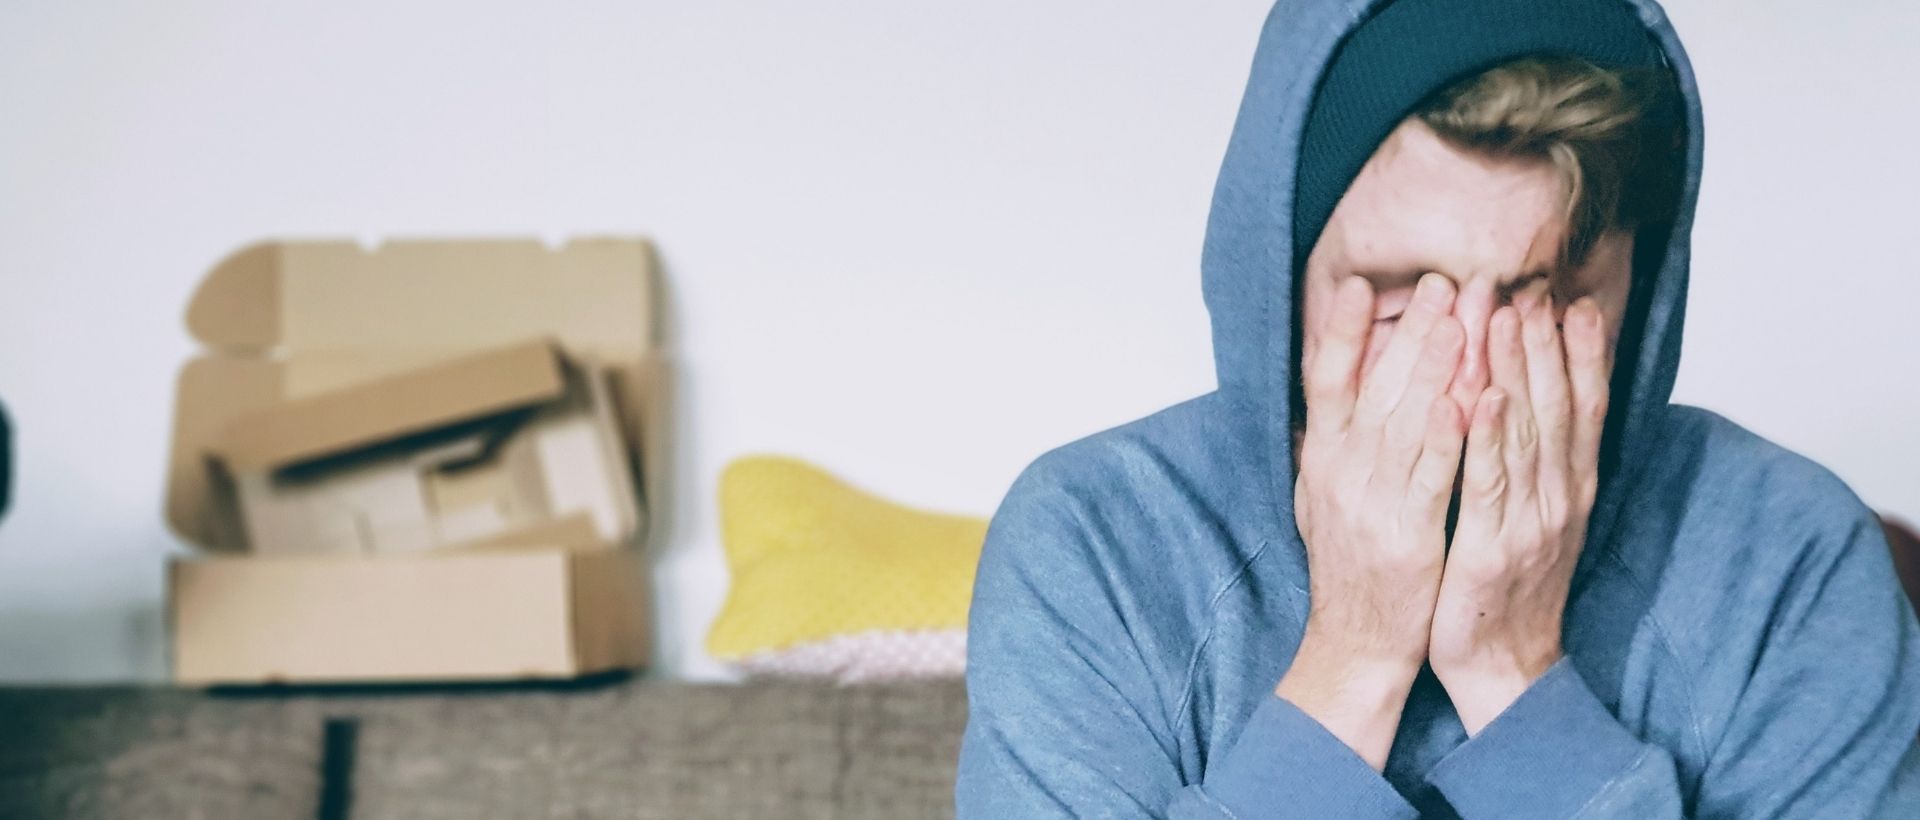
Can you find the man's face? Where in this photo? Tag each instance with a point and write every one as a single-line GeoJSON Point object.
{"type": "Point", "coordinates": [1494, 226]}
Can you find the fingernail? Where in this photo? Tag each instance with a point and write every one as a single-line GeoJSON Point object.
{"type": "Point", "coordinates": [1432, 289]}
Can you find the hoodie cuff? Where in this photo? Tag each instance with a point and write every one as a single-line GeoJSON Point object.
{"type": "Point", "coordinates": [1547, 755]}
{"type": "Point", "coordinates": [1286, 764]}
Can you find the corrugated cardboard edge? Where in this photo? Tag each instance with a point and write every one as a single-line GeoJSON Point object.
{"type": "Point", "coordinates": [478, 384]}
{"type": "Point", "coordinates": [643, 394]}
{"type": "Point", "coordinates": [610, 598]}
{"type": "Point", "coordinates": [246, 385]}
{"type": "Point", "coordinates": [618, 454]}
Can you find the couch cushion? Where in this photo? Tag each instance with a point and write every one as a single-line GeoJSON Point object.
{"type": "Point", "coordinates": [651, 750]}
{"type": "Point", "coordinates": [114, 752]}
{"type": "Point", "coordinates": [633, 749]}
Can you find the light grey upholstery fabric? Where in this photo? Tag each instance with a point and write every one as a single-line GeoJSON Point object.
{"type": "Point", "coordinates": [140, 753]}
{"type": "Point", "coordinates": [763, 750]}
{"type": "Point", "coordinates": [631, 749]}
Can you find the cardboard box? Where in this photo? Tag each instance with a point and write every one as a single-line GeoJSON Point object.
{"type": "Point", "coordinates": [473, 448]}
{"type": "Point", "coordinates": [284, 321]}
{"type": "Point", "coordinates": [536, 613]}
{"type": "Point", "coordinates": [315, 350]}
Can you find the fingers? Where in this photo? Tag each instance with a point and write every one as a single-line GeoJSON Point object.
{"type": "Point", "coordinates": [1409, 423]}
{"type": "Point", "coordinates": [1484, 482]}
{"type": "Point", "coordinates": [1551, 399]}
{"type": "Point", "coordinates": [1431, 484]}
{"type": "Point", "coordinates": [1332, 376]}
{"type": "Point", "coordinates": [1520, 443]}
{"type": "Point", "coordinates": [1590, 369]}
{"type": "Point", "coordinates": [1432, 299]}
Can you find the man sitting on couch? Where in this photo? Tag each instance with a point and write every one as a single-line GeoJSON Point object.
{"type": "Point", "coordinates": [1439, 545]}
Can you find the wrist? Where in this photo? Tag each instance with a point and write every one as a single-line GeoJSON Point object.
{"type": "Point", "coordinates": [1356, 699]}
{"type": "Point", "coordinates": [1482, 691]}
{"type": "Point", "coordinates": [1372, 648]}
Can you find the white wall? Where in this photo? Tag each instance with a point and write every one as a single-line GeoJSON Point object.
{"type": "Point", "coordinates": [918, 244]}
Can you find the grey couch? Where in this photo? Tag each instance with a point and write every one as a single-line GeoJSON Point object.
{"type": "Point", "coordinates": [625, 748]}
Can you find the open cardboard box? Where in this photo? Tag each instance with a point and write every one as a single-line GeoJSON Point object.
{"type": "Point", "coordinates": [307, 346]}
{"type": "Point", "coordinates": [476, 448]}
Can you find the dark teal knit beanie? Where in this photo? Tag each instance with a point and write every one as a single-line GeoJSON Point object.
{"type": "Point", "coordinates": [1413, 48]}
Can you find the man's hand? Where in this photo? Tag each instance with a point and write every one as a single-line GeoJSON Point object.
{"type": "Point", "coordinates": [1529, 481]}
{"type": "Point", "coordinates": [1377, 468]}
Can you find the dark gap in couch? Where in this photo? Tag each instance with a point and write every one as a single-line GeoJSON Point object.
{"type": "Point", "coordinates": [337, 739]}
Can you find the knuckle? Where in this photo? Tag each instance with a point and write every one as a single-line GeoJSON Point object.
{"type": "Point", "coordinates": [1425, 485]}
{"type": "Point", "coordinates": [1526, 437]}
{"type": "Point", "coordinates": [1490, 484]}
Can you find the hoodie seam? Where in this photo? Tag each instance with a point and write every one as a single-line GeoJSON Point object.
{"type": "Point", "coordinates": [1661, 634]}
{"type": "Point", "coordinates": [1200, 649]}
{"type": "Point", "coordinates": [1611, 784]}
{"type": "Point", "coordinates": [1225, 810]}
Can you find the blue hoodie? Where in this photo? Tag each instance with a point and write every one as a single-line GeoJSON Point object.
{"type": "Point", "coordinates": [1736, 644]}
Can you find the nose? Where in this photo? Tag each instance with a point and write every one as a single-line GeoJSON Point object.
{"type": "Point", "coordinates": [1474, 308]}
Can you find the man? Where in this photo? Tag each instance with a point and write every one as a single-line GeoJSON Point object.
{"type": "Point", "coordinates": [1492, 572]}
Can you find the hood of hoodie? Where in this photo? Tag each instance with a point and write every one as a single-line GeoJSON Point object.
{"type": "Point", "coordinates": [1247, 268]}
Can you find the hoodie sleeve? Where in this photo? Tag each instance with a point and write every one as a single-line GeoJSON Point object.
{"type": "Point", "coordinates": [1065, 716]}
{"type": "Point", "coordinates": [1827, 725]}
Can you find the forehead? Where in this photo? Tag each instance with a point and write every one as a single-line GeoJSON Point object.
{"type": "Point", "coordinates": [1422, 204]}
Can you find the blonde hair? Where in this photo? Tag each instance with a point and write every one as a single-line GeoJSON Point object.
{"type": "Point", "coordinates": [1596, 125]}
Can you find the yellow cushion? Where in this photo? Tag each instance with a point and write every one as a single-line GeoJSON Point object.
{"type": "Point", "coordinates": [813, 558]}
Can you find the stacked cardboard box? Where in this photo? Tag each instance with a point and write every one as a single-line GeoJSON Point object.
{"type": "Point", "coordinates": [428, 460]}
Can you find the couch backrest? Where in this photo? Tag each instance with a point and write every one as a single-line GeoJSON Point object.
{"type": "Point", "coordinates": [628, 750]}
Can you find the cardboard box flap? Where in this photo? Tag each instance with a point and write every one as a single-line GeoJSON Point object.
{"type": "Point", "coordinates": [595, 294]}
{"type": "Point", "coordinates": [467, 387]}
